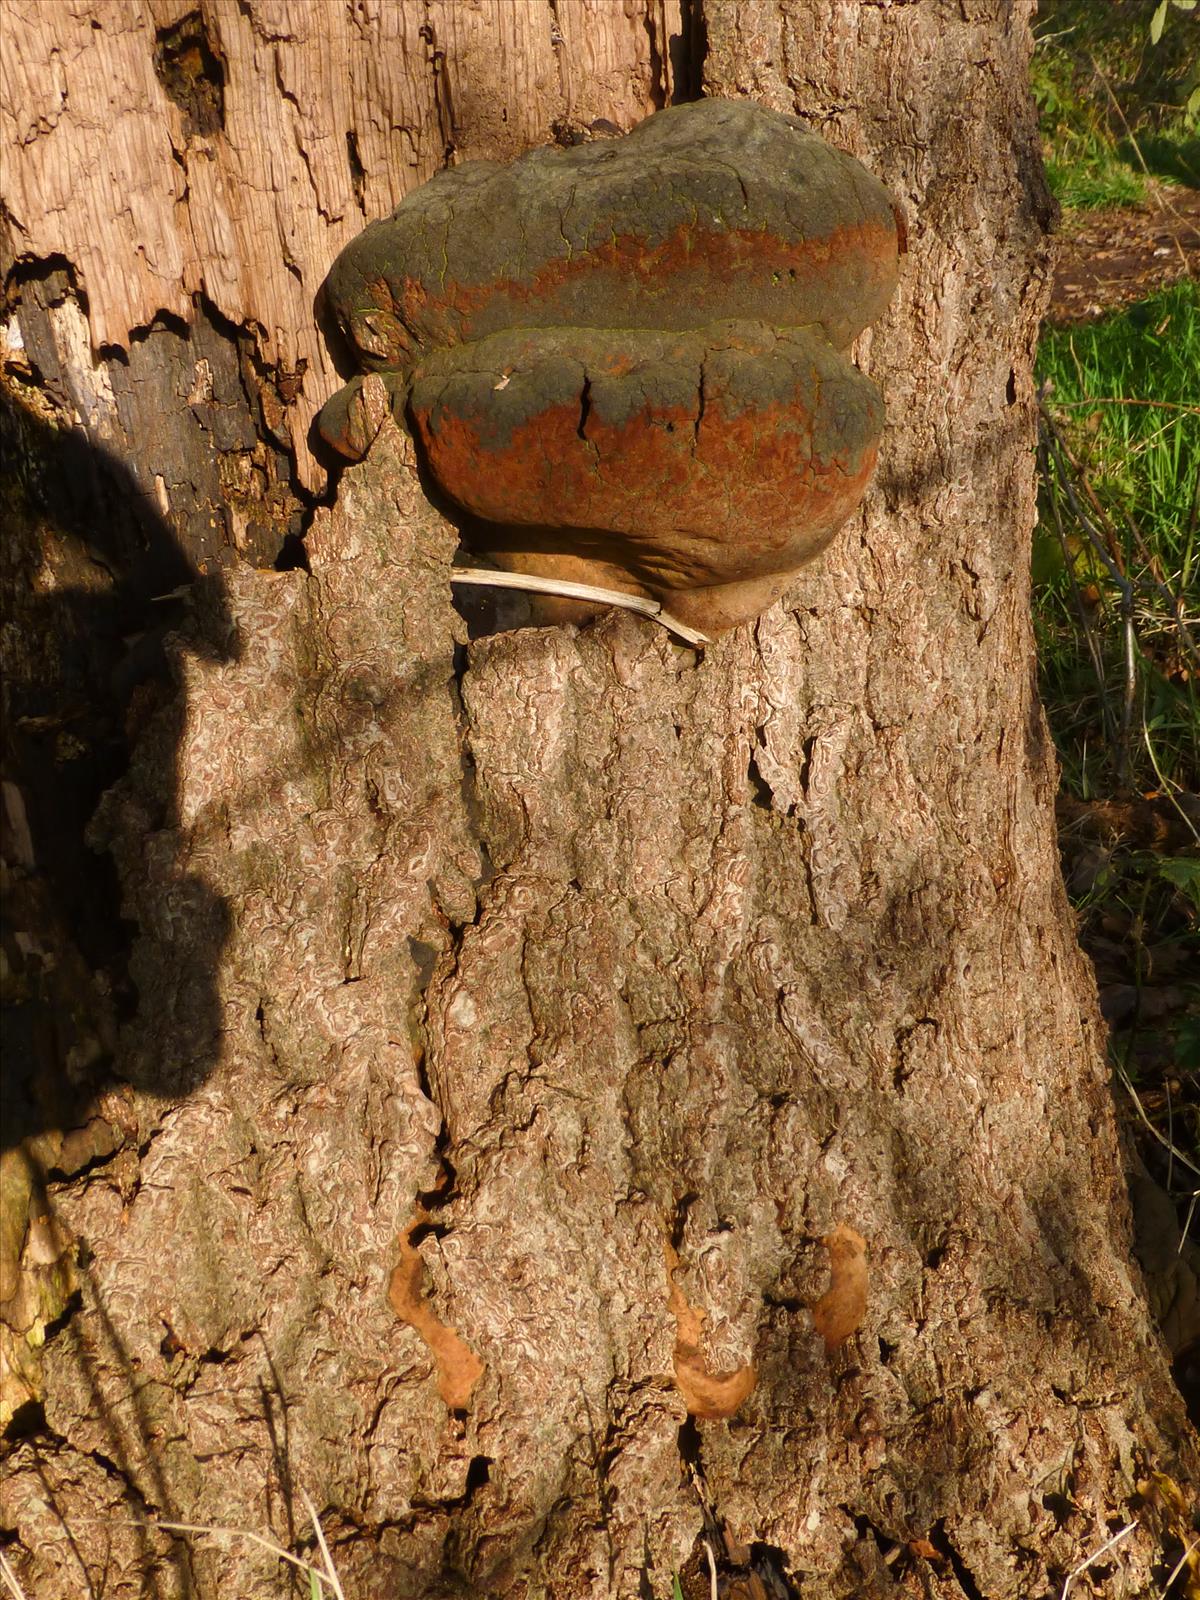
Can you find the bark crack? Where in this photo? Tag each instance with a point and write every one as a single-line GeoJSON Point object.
{"type": "Point", "coordinates": [442, 100]}
{"type": "Point", "coordinates": [556, 44]}
{"type": "Point", "coordinates": [941, 1540]}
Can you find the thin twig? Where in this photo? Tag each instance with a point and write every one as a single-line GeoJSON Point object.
{"type": "Point", "coordinates": [215, 1531]}
{"type": "Point", "coordinates": [1071, 476]}
{"type": "Point", "coordinates": [1174, 602]}
{"type": "Point", "coordinates": [1105, 548]}
{"type": "Point", "coordinates": [1176, 1152]}
{"type": "Point", "coordinates": [1095, 1556]}
{"type": "Point", "coordinates": [580, 591]}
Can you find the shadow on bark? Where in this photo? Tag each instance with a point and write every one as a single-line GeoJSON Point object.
{"type": "Point", "coordinates": [129, 1447]}
{"type": "Point", "coordinates": [130, 1453]}
{"type": "Point", "coordinates": [99, 596]}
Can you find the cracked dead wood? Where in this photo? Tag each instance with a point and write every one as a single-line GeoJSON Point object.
{"type": "Point", "coordinates": [610, 985]}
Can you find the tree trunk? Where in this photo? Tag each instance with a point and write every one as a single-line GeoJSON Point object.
{"type": "Point", "coordinates": [568, 1097]}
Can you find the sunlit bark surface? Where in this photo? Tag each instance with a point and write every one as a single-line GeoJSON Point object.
{"type": "Point", "coordinates": [556, 1098]}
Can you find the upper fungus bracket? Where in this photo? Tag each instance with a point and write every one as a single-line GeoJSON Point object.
{"type": "Point", "coordinates": [716, 238]}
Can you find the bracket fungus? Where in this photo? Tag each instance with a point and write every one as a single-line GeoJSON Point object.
{"type": "Point", "coordinates": [624, 364]}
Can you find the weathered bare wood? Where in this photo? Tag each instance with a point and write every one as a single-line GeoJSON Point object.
{"type": "Point", "coordinates": [167, 149]}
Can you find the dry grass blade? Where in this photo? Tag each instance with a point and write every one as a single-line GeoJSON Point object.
{"type": "Point", "coordinates": [11, 1582]}
{"type": "Point", "coordinates": [1178, 1568]}
{"type": "Point", "coordinates": [1118, 400]}
{"type": "Point", "coordinates": [1100, 533]}
{"type": "Point", "coordinates": [1108, 1544]}
{"type": "Point", "coordinates": [566, 590]}
{"type": "Point", "coordinates": [1141, 607]}
{"type": "Point", "coordinates": [217, 1531]}
{"type": "Point", "coordinates": [330, 1569]}
{"type": "Point", "coordinates": [1081, 611]}
{"type": "Point", "coordinates": [1166, 785]}
{"type": "Point", "coordinates": [1186, 1230]}
{"type": "Point", "coordinates": [1160, 199]}
{"type": "Point", "coordinates": [1175, 1152]}
{"type": "Point", "coordinates": [712, 1570]}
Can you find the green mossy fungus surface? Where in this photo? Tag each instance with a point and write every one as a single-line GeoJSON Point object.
{"type": "Point", "coordinates": [546, 238]}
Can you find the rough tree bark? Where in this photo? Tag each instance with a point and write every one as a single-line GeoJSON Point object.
{"type": "Point", "coordinates": [515, 1032]}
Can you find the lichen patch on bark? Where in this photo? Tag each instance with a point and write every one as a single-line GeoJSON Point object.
{"type": "Point", "coordinates": [712, 1396]}
{"type": "Point", "coordinates": [839, 1312]}
{"type": "Point", "coordinates": [458, 1367]}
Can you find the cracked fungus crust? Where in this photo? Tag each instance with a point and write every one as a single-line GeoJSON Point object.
{"type": "Point", "coordinates": [628, 357]}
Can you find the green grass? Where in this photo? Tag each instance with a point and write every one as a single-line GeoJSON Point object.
{"type": "Point", "coordinates": [1089, 177]}
{"type": "Point", "coordinates": [1117, 617]}
{"type": "Point", "coordinates": [1172, 155]}
{"type": "Point", "coordinates": [1115, 106]}
{"type": "Point", "coordinates": [1117, 553]}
